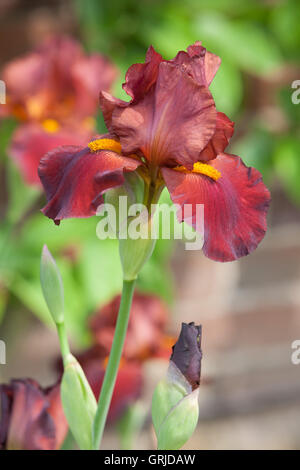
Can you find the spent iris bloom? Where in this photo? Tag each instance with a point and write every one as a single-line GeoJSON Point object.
{"type": "Point", "coordinates": [187, 355]}
{"type": "Point", "coordinates": [54, 101]}
{"type": "Point", "coordinates": [32, 418]}
{"type": "Point", "coordinates": [171, 134]}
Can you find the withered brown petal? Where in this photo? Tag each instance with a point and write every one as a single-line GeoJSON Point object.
{"type": "Point", "coordinates": [187, 354]}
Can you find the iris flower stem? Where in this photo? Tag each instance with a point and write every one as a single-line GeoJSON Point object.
{"type": "Point", "coordinates": [113, 363]}
{"type": "Point", "coordinates": [63, 340]}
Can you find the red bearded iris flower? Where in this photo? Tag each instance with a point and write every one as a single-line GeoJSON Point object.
{"type": "Point", "coordinates": [32, 418]}
{"type": "Point", "coordinates": [52, 92]}
{"type": "Point", "coordinates": [171, 134]}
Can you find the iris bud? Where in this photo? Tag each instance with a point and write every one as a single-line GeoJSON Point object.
{"type": "Point", "coordinates": [52, 286]}
{"type": "Point", "coordinates": [134, 253]}
{"type": "Point", "coordinates": [79, 402]}
{"type": "Point", "coordinates": [133, 225]}
{"type": "Point", "coordinates": [175, 408]}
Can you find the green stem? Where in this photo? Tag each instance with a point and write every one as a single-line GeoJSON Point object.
{"type": "Point", "coordinates": [63, 340]}
{"type": "Point", "coordinates": [113, 363]}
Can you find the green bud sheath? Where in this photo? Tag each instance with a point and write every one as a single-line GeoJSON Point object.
{"type": "Point", "coordinates": [179, 424]}
{"type": "Point", "coordinates": [134, 254]}
{"type": "Point", "coordinates": [79, 403]}
{"type": "Point", "coordinates": [166, 396]}
{"type": "Point", "coordinates": [175, 410]}
{"type": "Point", "coordinates": [52, 286]}
{"type": "Point", "coordinates": [134, 250]}
{"type": "Point", "coordinates": [131, 190]}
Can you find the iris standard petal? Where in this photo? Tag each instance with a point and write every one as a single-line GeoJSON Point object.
{"type": "Point", "coordinates": [172, 123]}
{"type": "Point", "coordinates": [211, 61]}
{"type": "Point", "coordinates": [140, 77]}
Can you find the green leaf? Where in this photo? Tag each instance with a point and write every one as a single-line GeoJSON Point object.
{"type": "Point", "coordinates": [284, 22]}
{"type": "Point", "coordinates": [227, 88]}
{"type": "Point", "coordinates": [256, 149]}
{"type": "Point", "coordinates": [100, 271]}
{"type": "Point", "coordinates": [29, 293]}
{"type": "Point", "coordinates": [287, 166]}
{"type": "Point", "coordinates": [242, 42]}
{"type": "Point", "coordinates": [7, 127]}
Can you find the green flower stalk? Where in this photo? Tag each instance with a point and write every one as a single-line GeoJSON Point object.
{"type": "Point", "coordinates": [113, 363]}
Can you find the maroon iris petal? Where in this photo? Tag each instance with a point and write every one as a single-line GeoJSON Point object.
{"type": "Point", "coordinates": [211, 61]}
{"type": "Point", "coordinates": [235, 206]}
{"type": "Point", "coordinates": [140, 77]}
{"type": "Point", "coordinates": [56, 412]}
{"type": "Point", "coordinates": [138, 81]}
{"type": "Point", "coordinates": [219, 141]}
{"type": "Point", "coordinates": [108, 104]}
{"type": "Point", "coordinates": [27, 422]}
{"type": "Point", "coordinates": [75, 178]}
{"type": "Point", "coordinates": [171, 117]}
{"type": "Point", "coordinates": [172, 123]}
{"type": "Point", "coordinates": [31, 142]}
{"type": "Point", "coordinates": [201, 64]}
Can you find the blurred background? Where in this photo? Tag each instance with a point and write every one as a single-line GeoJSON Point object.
{"type": "Point", "coordinates": [249, 309]}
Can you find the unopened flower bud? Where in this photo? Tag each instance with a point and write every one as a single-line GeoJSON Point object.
{"type": "Point", "coordinates": [131, 224]}
{"type": "Point", "coordinates": [175, 408]}
{"type": "Point", "coordinates": [122, 197]}
{"type": "Point", "coordinates": [79, 402]}
{"type": "Point", "coordinates": [52, 286]}
{"type": "Point", "coordinates": [135, 252]}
